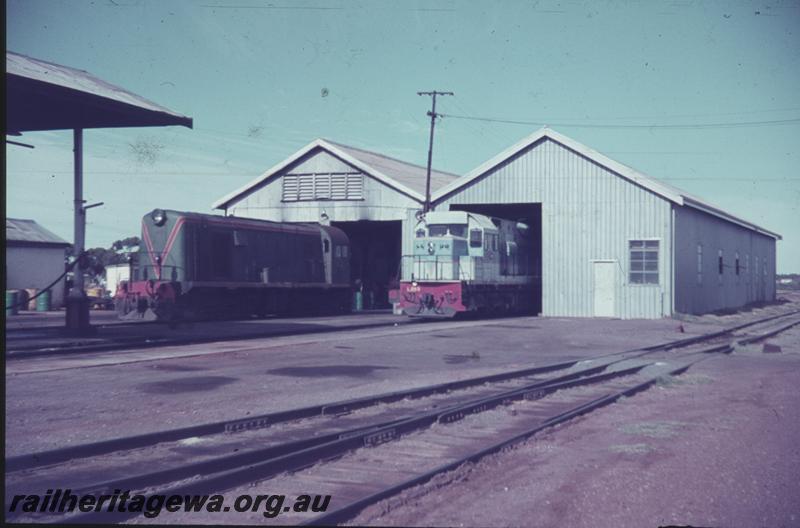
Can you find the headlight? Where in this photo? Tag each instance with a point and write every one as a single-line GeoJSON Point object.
{"type": "Point", "coordinates": [159, 216]}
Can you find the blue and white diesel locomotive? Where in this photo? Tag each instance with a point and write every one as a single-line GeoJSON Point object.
{"type": "Point", "coordinates": [466, 262]}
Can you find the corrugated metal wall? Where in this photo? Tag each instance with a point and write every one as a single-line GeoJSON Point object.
{"type": "Point", "coordinates": [704, 289]}
{"type": "Point", "coordinates": [588, 213]}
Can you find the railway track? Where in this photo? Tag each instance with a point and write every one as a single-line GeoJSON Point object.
{"type": "Point", "coordinates": [255, 421]}
{"type": "Point", "coordinates": [316, 444]}
{"type": "Point", "coordinates": [18, 349]}
{"type": "Point", "coordinates": [21, 343]}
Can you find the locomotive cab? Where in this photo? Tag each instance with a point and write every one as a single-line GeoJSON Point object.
{"type": "Point", "coordinates": [447, 243]}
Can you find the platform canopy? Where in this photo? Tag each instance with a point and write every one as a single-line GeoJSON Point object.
{"type": "Point", "coordinates": [45, 96]}
{"type": "Point", "coordinates": [41, 95]}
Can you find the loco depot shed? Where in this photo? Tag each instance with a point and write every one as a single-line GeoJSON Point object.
{"type": "Point", "coordinates": [371, 197]}
{"type": "Point", "coordinates": [607, 240]}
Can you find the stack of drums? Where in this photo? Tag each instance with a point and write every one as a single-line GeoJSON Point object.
{"type": "Point", "coordinates": [43, 302]}
{"type": "Point", "coordinates": [12, 302]}
{"type": "Point", "coordinates": [31, 305]}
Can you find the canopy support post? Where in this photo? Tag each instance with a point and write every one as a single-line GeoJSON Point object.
{"type": "Point", "coordinates": [77, 320]}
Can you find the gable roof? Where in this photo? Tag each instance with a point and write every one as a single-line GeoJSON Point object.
{"type": "Point", "coordinates": [666, 191]}
{"type": "Point", "coordinates": [404, 177]}
{"type": "Point", "coordinates": [28, 232]}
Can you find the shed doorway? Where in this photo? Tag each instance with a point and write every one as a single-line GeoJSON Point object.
{"type": "Point", "coordinates": [605, 288]}
{"type": "Point", "coordinates": [527, 213]}
{"type": "Point", "coordinates": [375, 258]}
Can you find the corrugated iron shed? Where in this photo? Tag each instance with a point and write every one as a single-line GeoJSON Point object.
{"type": "Point", "coordinates": [21, 232]}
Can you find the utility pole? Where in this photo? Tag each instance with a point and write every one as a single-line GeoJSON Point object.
{"type": "Point", "coordinates": [433, 115]}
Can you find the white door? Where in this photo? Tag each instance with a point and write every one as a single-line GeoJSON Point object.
{"type": "Point", "coordinates": [604, 288]}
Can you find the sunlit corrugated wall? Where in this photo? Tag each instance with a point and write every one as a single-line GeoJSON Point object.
{"type": "Point", "coordinates": [589, 214]}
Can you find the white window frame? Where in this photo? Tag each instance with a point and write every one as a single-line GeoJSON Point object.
{"type": "Point", "coordinates": [645, 274]}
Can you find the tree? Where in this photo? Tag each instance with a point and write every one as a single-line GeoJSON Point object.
{"type": "Point", "coordinates": [98, 258]}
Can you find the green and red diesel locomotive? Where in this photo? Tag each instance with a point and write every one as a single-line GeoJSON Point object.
{"type": "Point", "coordinates": [193, 266]}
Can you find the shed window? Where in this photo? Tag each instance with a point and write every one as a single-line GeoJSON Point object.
{"type": "Point", "coordinates": [699, 264]}
{"type": "Point", "coordinates": [737, 262]}
{"type": "Point", "coordinates": [720, 263]}
{"type": "Point", "coordinates": [318, 186]}
{"type": "Point", "coordinates": [475, 238]}
{"type": "Point", "coordinates": [643, 261]}
{"type": "Point", "coordinates": [747, 271]}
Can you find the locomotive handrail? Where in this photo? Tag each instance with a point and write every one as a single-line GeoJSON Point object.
{"type": "Point", "coordinates": [161, 268]}
{"type": "Point", "coordinates": [440, 264]}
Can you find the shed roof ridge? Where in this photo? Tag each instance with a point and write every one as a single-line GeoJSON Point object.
{"type": "Point", "coordinates": [665, 190]}
{"type": "Point", "coordinates": [381, 155]}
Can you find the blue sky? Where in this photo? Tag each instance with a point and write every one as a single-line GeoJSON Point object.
{"type": "Point", "coordinates": [261, 79]}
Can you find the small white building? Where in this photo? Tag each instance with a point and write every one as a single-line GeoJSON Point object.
{"type": "Point", "coordinates": [115, 273]}
{"type": "Point", "coordinates": [34, 258]}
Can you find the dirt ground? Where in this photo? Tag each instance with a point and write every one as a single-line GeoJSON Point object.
{"type": "Point", "coordinates": [717, 446]}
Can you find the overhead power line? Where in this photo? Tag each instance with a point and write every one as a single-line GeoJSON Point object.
{"type": "Point", "coordinates": [613, 125]}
